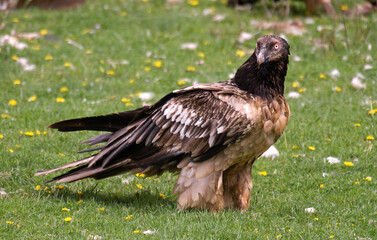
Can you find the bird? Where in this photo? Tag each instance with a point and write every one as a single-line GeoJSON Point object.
{"type": "Point", "coordinates": [209, 134]}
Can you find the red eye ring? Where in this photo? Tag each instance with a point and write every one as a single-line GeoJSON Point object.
{"type": "Point", "coordinates": [276, 46]}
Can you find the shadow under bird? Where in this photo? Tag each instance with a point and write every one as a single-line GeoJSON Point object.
{"type": "Point", "coordinates": [210, 133]}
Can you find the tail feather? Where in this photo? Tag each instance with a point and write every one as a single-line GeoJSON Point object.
{"type": "Point", "coordinates": [111, 123]}
{"type": "Point", "coordinates": [69, 165]}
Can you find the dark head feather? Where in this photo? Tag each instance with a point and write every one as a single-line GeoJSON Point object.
{"type": "Point", "coordinates": [263, 74]}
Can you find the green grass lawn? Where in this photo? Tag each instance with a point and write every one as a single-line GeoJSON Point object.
{"type": "Point", "coordinates": [128, 47]}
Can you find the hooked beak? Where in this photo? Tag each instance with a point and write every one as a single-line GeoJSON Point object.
{"type": "Point", "coordinates": [261, 57]}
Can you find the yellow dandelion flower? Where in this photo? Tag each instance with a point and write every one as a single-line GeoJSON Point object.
{"type": "Point", "coordinates": [49, 57]}
{"type": "Point", "coordinates": [65, 209]}
{"type": "Point", "coordinates": [332, 236]}
{"type": "Point", "coordinates": [373, 111]}
{"type": "Point", "coordinates": [181, 82]}
{"type": "Point", "coordinates": [278, 236]}
{"type": "Point", "coordinates": [240, 53]}
{"type": "Point", "coordinates": [32, 98]}
{"type": "Point", "coordinates": [190, 69]}
{"type": "Point", "coordinates": [137, 231]}
{"type": "Point", "coordinates": [140, 175]}
{"type": "Point", "coordinates": [80, 201]}
{"type": "Point", "coordinates": [322, 76]}
{"type": "Point", "coordinates": [316, 219]}
{"type": "Point", "coordinates": [67, 64]}
{"type": "Point", "coordinates": [38, 187]}
{"type": "Point", "coordinates": [128, 217]}
{"type": "Point", "coordinates": [67, 219]}
{"type": "Point", "coordinates": [61, 154]}
{"type": "Point", "coordinates": [357, 124]}
{"type": "Point", "coordinates": [44, 132]}
{"type": "Point", "coordinates": [15, 58]}
{"type": "Point", "coordinates": [88, 51]}
{"type": "Point", "coordinates": [295, 84]}
{"type": "Point", "coordinates": [301, 90]}
{"type": "Point", "coordinates": [301, 76]}
{"type": "Point", "coordinates": [59, 187]}
{"type": "Point", "coordinates": [132, 81]}
{"type": "Point", "coordinates": [101, 209]}
{"type": "Point", "coordinates": [262, 173]}
{"type": "Point", "coordinates": [17, 82]}
{"type": "Point", "coordinates": [311, 148]}
{"type": "Point", "coordinates": [11, 150]}
{"type": "Point", "coordinates": [294, 147]}
{"type": "Point", "coordinates": [337, 89]}
{"type": "Point", "coordinates": [29, 133]}
{"type": "Point", "coordinates": [356, 182]}
{"type": "Point", "coordinates": [193, 2]}
{"type": "Point", "coordinates": [162, 196]}
{"type": "Point", "coordinates": [16, 20]}
{"type": "Point", "coordinates": [5, 116]}
{"type": "Point", "coordinates": [37, 132]}
{"type": "Point", "coordinates": [35, 47]}
{"type": "Point", "coordinates": [369, 138]}
{"type": "Point", "coordinates": [9, 222]}
{"type": "Point", "coordinates": [147, 69]}
{"type": "Point", "coordinates": [368, 179]}
{"type": "Point", "coordinates": [64, 89]}
{"type": "Point", "coordinates": [79, 192]}
{"type": "Point", "coordinates": [60, 100]}
{"type": "Point", "coordinates": [139, 186]}
{"type": "Point", "coordinates": [43, 32]}
{"type": "Point", "coordinates": [344, 7]}
{"type": "Point", "coordinates": [12, 102]}
{"type": "Point", "coordinates": [157, 64]}
{"type": "Point", "coordinates": [201, 54]}
{"type": "Point", "coordinates": [85, 31]}
{"type": "Point", "coordinates": [1, 136]}
{"type": "Point", "coordinates": [348, 164]}
{"type": "Point", "coordinates": [110, 72]}
{"type": "Point", "coordinates": [321, 186]}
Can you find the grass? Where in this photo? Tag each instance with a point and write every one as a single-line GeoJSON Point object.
{"type": "Point", "coordinates": [143, 33]}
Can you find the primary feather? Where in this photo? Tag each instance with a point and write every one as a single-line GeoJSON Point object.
{"type": "Point", "coordinates": [211, 133]}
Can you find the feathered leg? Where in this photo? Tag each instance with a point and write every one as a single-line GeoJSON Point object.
{"type": "Point", "coordinates": [237, 186]}
{"type": "Point", "coordinates": [200, 186]}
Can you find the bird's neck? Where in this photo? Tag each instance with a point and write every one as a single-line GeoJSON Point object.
{"type": "Point", "coordinates": [266, 81]}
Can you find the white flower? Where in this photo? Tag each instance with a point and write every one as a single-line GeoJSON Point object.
{"type": "Point", "coordinates": [332, 160]}
{"type": "Point", "coordinates": [296, 58]}
{"type": "Point", "coordinates": [310, 210]}
{"type": "Point", "coordinates": [218, 17]}
{"type": "Point", "coordinates": [3, 193]}
{"type": "Point", "coordinates": [148, 232]}
{"type": "Point", "coordinates": [356, 81]}
{"type": "Point", "coordinates": [189, 46]}
{"type": "Point", "coordinates": [146, 96]}
{"type": "Point", "coordinates": [245, 36]}
{"type": "Point", "coordinates": [293, 94]}
{"type": "Point", "coordinates": [335, 73]}
{"type": "Point", "coordinates": [368, 67]}
{"type": "Point", "coordinates": [24, 62]}
{"type": "Point", "coordinates": [272, 152]}
{"type": "Point", "coordinates": [309, 21]}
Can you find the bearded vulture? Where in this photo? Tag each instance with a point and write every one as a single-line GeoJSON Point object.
{"type": "Point", "coordinates": [211, 133]}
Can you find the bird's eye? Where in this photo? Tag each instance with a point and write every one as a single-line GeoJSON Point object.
{"type": "Point", "coordinates": [276, 46]}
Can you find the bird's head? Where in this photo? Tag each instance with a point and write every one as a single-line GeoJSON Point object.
{"type": "Point", "coordinates": [271, 48]}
